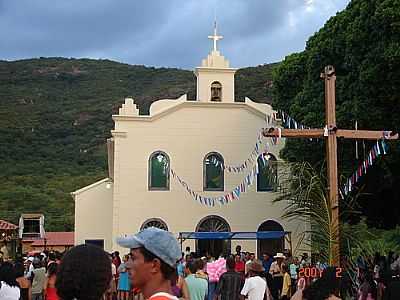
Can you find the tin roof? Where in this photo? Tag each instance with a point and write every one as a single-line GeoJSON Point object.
{"type": "Point", "coordinates": [56, 239]}
{"type": "Point", "coordinates": [4, 225]}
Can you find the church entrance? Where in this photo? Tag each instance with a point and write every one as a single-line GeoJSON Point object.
{"type": "Point", "coordinates": [213, 247]}
{"type": "Point", "coordinates": [271, 246]}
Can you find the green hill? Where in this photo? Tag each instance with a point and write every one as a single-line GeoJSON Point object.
{"type": "Point", "coordinates": [55, 116]}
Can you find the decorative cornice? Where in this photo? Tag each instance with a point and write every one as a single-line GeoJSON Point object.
{"type": "Point", "coordinates": [214, 70]}
{"type": "Point", "coordinates": [123, 134]}
{"type": "Point", "coordinates": [169, 110]}
{"type": "Point", "coordinates": [77, 192]}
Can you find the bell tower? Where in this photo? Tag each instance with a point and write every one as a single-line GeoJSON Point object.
{"type": "Point", "coordinates": [215, 79]}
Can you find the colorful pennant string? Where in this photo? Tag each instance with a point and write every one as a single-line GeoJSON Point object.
{"type": "Point", "coordinates": [380, 148]}
{"type": "Point", "coordinates": [257, 150]}
{"type": "Point", "coordinates": [289, 122]}
{"type": "Point", "coordinates": [235, 194]}
{"type": "Point", "coordinates": [249, 179]}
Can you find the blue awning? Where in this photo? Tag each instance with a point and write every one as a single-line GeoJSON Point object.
{"type": "Point", "coordinates": [261, 235]}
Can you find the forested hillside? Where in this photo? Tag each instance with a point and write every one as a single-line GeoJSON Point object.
{"type": "Point", "coordinates": [363, 44]}
{"type": "Point", "coordinates": [55, 116]}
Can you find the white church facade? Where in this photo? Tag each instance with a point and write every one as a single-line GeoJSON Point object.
{"type": "Point", "coordinates": [171, 169]}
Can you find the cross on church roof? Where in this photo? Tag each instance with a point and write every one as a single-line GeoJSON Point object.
{"type": "Point", "coordinates": [215, 37]}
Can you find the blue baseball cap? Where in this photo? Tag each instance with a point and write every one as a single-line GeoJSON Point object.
{"type": "Point", "coordinates": [159, 242]}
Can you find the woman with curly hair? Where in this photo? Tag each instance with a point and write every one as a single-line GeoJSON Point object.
{"type": "Point", "coordinates": [84, 273]}
{"type": "Point", "coordinates": [9, 288]}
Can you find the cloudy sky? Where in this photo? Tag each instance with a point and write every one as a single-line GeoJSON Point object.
{"type": "Point", "coordinates": [162, 33]}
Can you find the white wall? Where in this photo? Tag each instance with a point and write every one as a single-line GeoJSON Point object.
{"type": "Point", "coordinates": [205, 77]}
{"type": "Point", "coordinates": [187, 135]}
{"type": "Point", "coordinates": [93, 214]}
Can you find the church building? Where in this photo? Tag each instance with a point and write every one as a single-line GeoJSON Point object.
{"type": "Point", "coordinates": [197, 165]}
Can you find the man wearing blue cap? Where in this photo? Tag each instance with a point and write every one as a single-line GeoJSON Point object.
{"type": "Point", "coordinates": [154, 255]}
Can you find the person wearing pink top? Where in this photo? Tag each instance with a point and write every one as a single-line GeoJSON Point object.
{"type": "Point", "coordinates": [214, 271]}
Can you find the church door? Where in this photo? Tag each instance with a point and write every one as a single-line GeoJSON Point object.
{"type": "Point", "coordinates": [271, 246]}
{"type": "Point", "coordinates": [213, 247]}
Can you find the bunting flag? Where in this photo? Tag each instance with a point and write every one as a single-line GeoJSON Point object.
{"type": "Point", "coordinates": [249, 161]}
{"type": "Point", "coordinates": [231, 196]}
{"type": "Point", "coordinates": [289, 122]}
{"type": "Point", "coordinates": [378, 149]}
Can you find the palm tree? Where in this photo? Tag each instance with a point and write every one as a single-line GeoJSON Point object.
{"type": "Point", "coordinates": [304, 191]}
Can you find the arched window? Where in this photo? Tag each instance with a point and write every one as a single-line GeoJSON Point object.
{"type": "Point", "coordinates": [159, 171]}
{"type": "Point", "coordinates": [154, 222]}
{"type": "Point", "coordinates": [216, 91]}
{"type": "Point", "coordinates": [212, 247]}
{"type": "Point", "coordinates": [267, 177]}
{"type": "Point", "coordinates": [271, 246]}
{"type": "Point", "coordinates": [213, 172]}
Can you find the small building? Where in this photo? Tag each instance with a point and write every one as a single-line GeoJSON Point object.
{"type": "Point", "coordinates": [31, 226]}
{"type": "Point", "coordinates": [53, 241]}
{"type": "Point", "coordinates": [8, 239]}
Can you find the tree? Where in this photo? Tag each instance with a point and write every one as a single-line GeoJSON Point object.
{"type": "Point", "coordinates": [362, 42]}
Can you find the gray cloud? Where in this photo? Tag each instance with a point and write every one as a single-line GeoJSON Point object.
{"type": "Point", "coordinates": [160, 33]}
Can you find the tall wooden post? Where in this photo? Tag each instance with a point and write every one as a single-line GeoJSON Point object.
{"type": "Point", "coordinates": [331, 133]}
{"type": "Point", "coordinates": [331, 154]}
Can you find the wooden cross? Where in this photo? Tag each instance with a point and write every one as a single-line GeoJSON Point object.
{"type": "Point", "coordinates": [331, 133]}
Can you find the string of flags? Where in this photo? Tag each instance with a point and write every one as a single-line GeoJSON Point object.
{"type": "Point", "coordinates": [248, 162]}
{"type": "Point", "coordinates": [251, 162]}
{"type": "Point", "coordinates": [291, 123]}
{"type": "Point", "coordinates": [235, 194]}
{"type": "Point", "coordinates": [380, 148]}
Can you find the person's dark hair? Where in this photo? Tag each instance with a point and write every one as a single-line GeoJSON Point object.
{"type": "Point", "coordinates": [7, 274]}
{"type": "Point", "coordinates": [19, 269]}
{"type": "Point", "coordinates": [37, 263]}
{"type": "Point", "coordinates": [230, 263]}
{"type": "Point", "coordinates": [52, 269]}
{"type": "Point", "coordinates": [166, 270]}
{"type": "Point", "coordinates": [285, 268]}
{"type": "Point", "coordinates": [191, 265]}
{"type": "Point", "coordinates": [84, 273]}
{"type": "Point", "coordinates": [323, 287]}
{"type": "Point", "coordinates": [372, 288]}
{"type": "Point", "coordinates": [117, 257]}
{"type": "Point", "coordinates": [58, 255]}
{"type": "Point", "coordinates": [187, 248]}
{"type": "Point", "coordinates": [199, 264]}
{"type": "Point", "coordinates": [390, 257]}
{"type": "Point", "coordinates": [52, 256]}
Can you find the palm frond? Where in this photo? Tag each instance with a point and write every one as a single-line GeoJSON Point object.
{"type": "Point", "coordinates": [304, 192]}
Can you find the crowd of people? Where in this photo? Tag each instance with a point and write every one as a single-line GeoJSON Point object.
{"type": "Point", "coordinates": [379, 277]}
{"type": "Point", "coordinates": [154, 268]}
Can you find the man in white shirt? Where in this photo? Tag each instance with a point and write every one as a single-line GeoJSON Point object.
{"type": "Point", "coordinates": [277, 275]}
{"type": "Point", "coordinates": [251, 259]}
{"type": "Point", "coordinates": [255, 287]}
